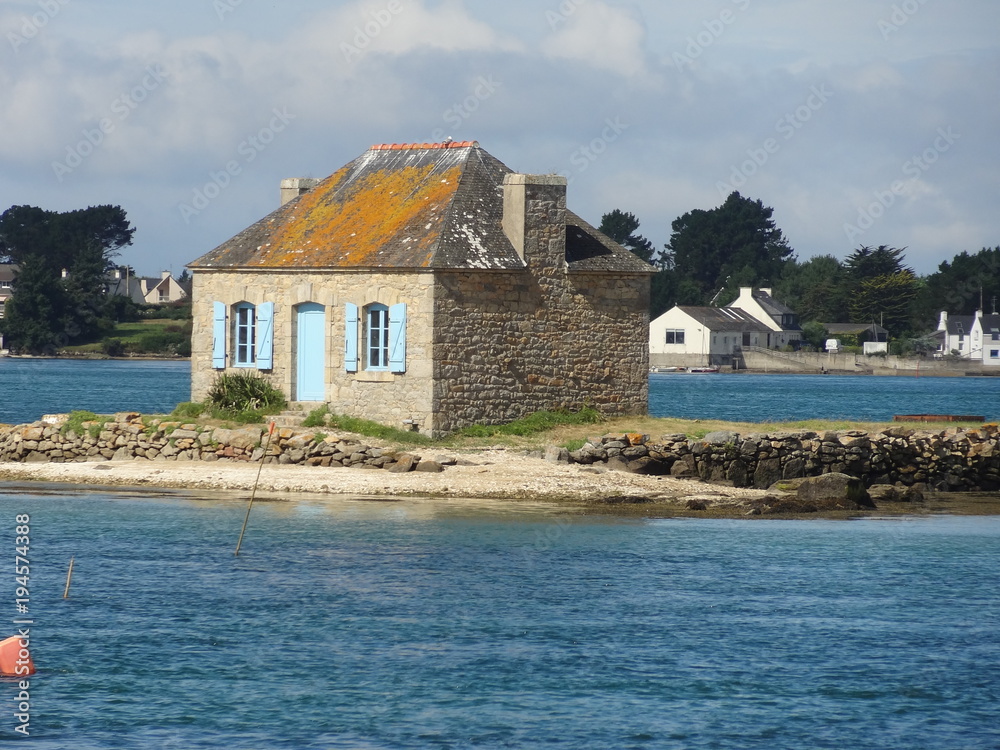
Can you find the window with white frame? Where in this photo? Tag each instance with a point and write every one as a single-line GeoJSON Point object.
{"type": "Point", "coordinates": [376, 337]}
{"type": "Point", "coordinates": [994, 353]}
{"type": "Point", "coordinates": [242, 335]}
{"type": "Point", "coordinates": [245, 335]}
{"type": "Point", "coordinates": [675, 336]}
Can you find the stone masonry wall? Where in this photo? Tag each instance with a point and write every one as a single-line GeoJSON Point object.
{"type": "Point", "coordinates": [505, 348]}
{"type": "Point", "coordinates": [952, 460]}
{"type": "Point", "coordinates": [129, 436]}
{"type": "Point", "coordinates": [379, 396]}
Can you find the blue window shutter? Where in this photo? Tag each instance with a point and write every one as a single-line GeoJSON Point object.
{"type": "Point", "coordinates": [397, 338]}
{"type": "Point", "coordinates": [219, 335]}
{"type": "Point", "coordinates": [265, 335]}
{"type": "Point", "coordinates": [351, 337]}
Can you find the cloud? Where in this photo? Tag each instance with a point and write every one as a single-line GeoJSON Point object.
{"type": "Point", "coordinates": [597, 35]}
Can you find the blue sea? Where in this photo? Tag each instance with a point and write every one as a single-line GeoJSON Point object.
{"type": "Point", "coordinates": [33, 387]}
{"type": "Point", "coordinates": [449, 624]}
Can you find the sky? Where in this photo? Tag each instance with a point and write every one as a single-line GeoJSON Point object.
{"type": "Point", "coordinates": [860, 122]}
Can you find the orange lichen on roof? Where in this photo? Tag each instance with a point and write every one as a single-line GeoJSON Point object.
{"type": "Point", "coordinates": [388, 217]}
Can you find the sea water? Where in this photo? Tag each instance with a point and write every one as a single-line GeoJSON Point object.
{"type": "Point", "coordinates": [451, 624]}
{"type": "Point", "coordinates": [32, 387]}
{"type": "Point", "coordinates": [781, 398]}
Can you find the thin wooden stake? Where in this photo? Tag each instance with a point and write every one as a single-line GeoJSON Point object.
{"type": "Point", "coordinates": [254, 493]}
{"type": "Point", "coordinates": [69, 578]}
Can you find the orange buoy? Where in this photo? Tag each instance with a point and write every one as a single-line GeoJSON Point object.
{"type": "Point", "coordinates": [15, 660]}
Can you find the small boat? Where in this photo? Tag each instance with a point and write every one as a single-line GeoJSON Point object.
{"type": "Point", "coordinates": [703, 369]}
{"type": "Point", "coordinates": [666, 369]}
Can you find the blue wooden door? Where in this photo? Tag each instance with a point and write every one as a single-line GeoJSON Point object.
{"type": "Point", "coordinates": [311, 356]}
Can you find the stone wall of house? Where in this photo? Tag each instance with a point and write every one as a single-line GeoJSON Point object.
{"type": "Point", "coordinates": [504, 348]}
{"type": "Point", "coordinates": [542, 338]}
{"type": "Point", "coordinates": [380, 396]}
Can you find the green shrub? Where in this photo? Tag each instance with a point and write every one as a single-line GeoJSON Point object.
{"type": "Point", "coordinates": [375, 429]}
{"type": "Point", "coordinates": [114, 347]}
{"type": "Point", "coordinates": [245, 392]}
{"type": "Point", "coordinates": [76, 421]}
{"type": "Point", "coordinates": [317, 417]}
{"type": "Point", "coordinates": [188, 410]}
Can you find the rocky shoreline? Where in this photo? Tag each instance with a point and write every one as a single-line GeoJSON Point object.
{"type": "Point", "coordinates": [721, 473]}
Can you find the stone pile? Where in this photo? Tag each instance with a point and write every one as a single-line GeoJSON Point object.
{"type": "Point", "coordinates": [951, 460]}
{"type": "Point", "coordinates": [129, 436]}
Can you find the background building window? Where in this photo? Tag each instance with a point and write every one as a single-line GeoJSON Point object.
{"type": "Point", "coordinates": [246, 335]}
{"type": "Point", "coordinates": [675, 336]}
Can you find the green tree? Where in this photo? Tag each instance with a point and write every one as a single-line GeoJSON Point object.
{"type": "Point", "coordinates": [961, 286]}
{"type": "Point", "coordinates": [48, 309]}
{"type": "Point", "coordinates": [621, 227]}
{"type": "Point", "coordinates": [736, 244]}
{"type": "Point", "coordinates": [815, 334]}
{"type": "Point", "coordinates": [883, 289]}
{"type": "Point", "coordinates": [886, 300]}
{"type": "Point", "coordinates": [816, 289]}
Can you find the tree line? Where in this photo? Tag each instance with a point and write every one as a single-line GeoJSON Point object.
{"type": "Point", "coordinates": [63, 258]}
{"type": "Point", "coordinates": [712, 253]}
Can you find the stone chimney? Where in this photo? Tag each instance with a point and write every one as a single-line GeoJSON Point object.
{"type": "Point", "coordinates": [534, 220]}
{"type": "Point", "coordinates": [293, 187]}
{"type": "Point", "coordinates": [943, 321]}
{"type": "Point", "coordinates": [164, 275]}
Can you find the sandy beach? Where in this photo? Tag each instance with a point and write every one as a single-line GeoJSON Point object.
{"type": "Point", "coordinates": [494, 473]}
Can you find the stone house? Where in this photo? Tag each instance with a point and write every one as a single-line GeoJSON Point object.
{"type": "Point", "coordinates": [703, 336]}
{"type": "Point", "coordinates": [427, 286]}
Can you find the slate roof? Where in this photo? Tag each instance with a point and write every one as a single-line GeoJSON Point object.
{"type": "Point", "coordinates": [724, 319]}
{"type": "Point", "coordinates": [960, 325]}
{"type": "Point", "coordinates": [771, 306]}
{"type": "Point", "coordinates": [407, 206]}
{"type": "Point", "coordinates": [990, 323]}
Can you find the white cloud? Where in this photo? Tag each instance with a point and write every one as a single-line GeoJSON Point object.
{"type": "Point", "coordinates": [600, 36]}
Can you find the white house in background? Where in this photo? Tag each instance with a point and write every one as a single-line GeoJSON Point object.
{"type": "Point", "coordinates": [145, 290]}
{"type": "Point", "coordinates": [699, 336]}
{"type": "Point", "coordinates": [985, 339]}
{"type": "Point", "coordinates": [7, 273]}
{"type": "Point", "coordinates": [956, 335]}
{"type": "Point", "coordinates": [780, 319]}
